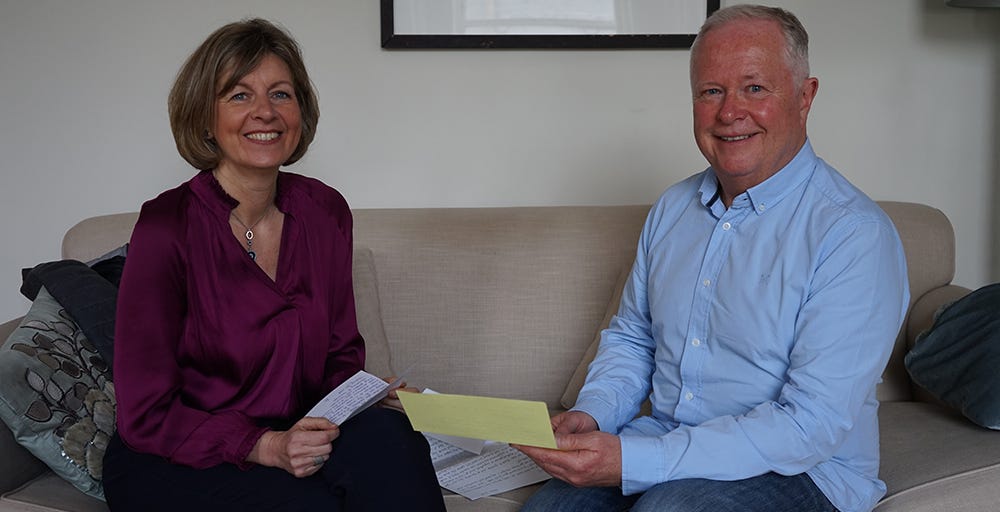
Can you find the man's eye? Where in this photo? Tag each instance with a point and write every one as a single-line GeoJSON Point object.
{"type": "Point", "coordinates": [755, 88]}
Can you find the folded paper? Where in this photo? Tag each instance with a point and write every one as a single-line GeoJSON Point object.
{"type": "Point", "coordinates": [493, 419]}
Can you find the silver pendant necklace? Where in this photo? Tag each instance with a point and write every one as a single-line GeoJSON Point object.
{"type": "Point", "coordinates": [249, 233]}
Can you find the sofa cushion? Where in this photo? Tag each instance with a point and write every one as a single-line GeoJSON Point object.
{"type": "Point", "coordinates": [569, 396]}
{"type": "Point", "coordinates": [933, 459]}
{"type": "Point", "coordinates": [956, 360]}
{"type": "Point", "coordinates": [48, 493]}
{"type": "Point", "coordinates": [510, 501]}
{"type": "Point", "coordinates": [55, 394]}
{"type": "Point", "coordinates": [378, 360]}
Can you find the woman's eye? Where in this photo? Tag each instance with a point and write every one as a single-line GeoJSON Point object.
{"type": "Point", "coordinates": [281, 95]}
{"type": "Point", "coordinates": [240, 96]}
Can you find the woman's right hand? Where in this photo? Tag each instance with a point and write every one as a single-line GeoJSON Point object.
{"type": "Point", "coordinates": [301, 450]}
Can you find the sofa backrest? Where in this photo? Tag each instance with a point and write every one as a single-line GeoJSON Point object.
{"type": "Point", "coordinates": [504, 301]}
{"type": "Point", "coordinates": [496, 301]}
{"type": "Point", "coordinates": [929, 244]}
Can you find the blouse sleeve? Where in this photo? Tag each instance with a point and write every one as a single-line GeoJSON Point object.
{"type": "Point", "coordinates": [151, 315]}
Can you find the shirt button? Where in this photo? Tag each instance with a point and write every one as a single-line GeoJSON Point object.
{"type": "Point", "coordinates": [696, 342]}
{"type": "Point", "coordinates": [726, 226]}
{"type": "Point", "coordinates": [707, 282]}
{"type": "Point", "coordinates": [689, 396]}
{"type": "Point", "coordinates": [762, 207]}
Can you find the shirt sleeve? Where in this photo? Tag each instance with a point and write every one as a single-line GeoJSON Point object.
{"type": "Point", "coordinates": [844, 334]}
{"type": "Point", "coordinates": [152, 306]}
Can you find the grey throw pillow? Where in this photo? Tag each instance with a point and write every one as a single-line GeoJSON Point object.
{"type": "Point", "coordinates": [956, 360]}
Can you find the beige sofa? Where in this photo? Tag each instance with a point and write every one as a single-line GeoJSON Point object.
{"type": "Point", "coordinates": [505, 301]}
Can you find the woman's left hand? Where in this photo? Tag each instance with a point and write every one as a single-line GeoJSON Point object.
{"type": "Point", "coordinates": [301, 450]}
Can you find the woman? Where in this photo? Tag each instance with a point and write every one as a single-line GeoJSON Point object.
{"type": "Point", "coordinates": [236, 313]}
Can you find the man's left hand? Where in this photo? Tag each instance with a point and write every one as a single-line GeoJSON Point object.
{"type": "Point", "coordinates": [391, 400]}
{"type": "Point", "coordinates": [593, 459]}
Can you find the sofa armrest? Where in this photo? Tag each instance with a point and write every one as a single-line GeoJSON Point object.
{"type": "Point", "coordinates": [17, 465]}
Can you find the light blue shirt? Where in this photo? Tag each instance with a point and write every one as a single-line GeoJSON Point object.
{"type": "Point", "coordinates": [760, 330]}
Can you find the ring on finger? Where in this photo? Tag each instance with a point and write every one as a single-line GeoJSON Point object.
{"type": "Point", "coordinates": [318, 460]}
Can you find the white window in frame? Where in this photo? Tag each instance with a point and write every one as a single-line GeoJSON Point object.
{"type": "Point", "coordinates": [547, 17]}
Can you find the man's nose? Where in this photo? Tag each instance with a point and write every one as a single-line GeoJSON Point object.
{"type": "Point", "coordinates": [733, 108]}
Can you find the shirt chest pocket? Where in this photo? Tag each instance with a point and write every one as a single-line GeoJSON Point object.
{"type": "Point", "coordinates": [755, 320]}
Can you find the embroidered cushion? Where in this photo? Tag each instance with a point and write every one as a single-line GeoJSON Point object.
{"type": "Point", "coordinates": [56, 394]}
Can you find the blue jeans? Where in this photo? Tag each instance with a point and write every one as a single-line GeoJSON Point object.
{"type": "Point", "coordinates": [770, 492]}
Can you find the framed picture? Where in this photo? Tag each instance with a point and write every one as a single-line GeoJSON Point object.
{"type": "Point", "coordinates": [547, 24]}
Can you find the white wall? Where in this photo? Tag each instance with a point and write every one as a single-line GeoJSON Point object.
{"type": "Point", "coordinates": [907, 109]}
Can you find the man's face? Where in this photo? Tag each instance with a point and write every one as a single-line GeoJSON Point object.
{"type": "Point", "coordinates": [749, 110]}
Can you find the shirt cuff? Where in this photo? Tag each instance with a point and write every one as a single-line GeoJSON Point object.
{"type": "Point", "coordinates": [246, 446]}
{"type": "Point", "coordinates": [600, 410]}
{"type": "Point", "coordinates": [643, 463]}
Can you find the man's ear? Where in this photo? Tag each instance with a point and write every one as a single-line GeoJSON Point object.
{"type": "Point", "coordinates": [809, 88]}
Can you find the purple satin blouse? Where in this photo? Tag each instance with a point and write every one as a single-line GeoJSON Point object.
{"type": "Point", "coordinates": [207, 348]}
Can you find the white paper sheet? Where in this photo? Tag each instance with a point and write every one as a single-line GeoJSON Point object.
{"type": "Point", "coordinates": [498, 469]}
{"type": "Point", "coordinates": [354, 395]}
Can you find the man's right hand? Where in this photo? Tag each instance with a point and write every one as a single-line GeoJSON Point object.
{"type": "Point", "coordinates": [586, 457]}
{"type": "Point", "coordinates": [573, 422]}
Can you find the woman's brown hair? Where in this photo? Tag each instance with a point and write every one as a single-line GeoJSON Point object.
{"type": "Point", "coordinates": [230, 53]}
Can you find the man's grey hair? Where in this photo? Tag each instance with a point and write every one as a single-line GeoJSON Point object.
{"type": "Point", "coordinates": [796, 37]}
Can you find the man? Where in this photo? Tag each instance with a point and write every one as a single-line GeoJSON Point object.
{"type": "Point", "coordinates": [759, 315]}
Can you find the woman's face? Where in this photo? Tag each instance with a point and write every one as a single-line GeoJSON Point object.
{"type": "Point", "coordinates": [258, 122]}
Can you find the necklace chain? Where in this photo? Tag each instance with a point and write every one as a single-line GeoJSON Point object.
{"type": "Point", "coordinates": [249, 232]}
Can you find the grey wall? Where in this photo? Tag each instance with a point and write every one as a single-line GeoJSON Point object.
{"type": "Point", "coordinates": [907, 109]}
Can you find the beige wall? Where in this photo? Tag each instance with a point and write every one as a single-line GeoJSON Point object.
{"type": "Point", "coordinates": [907, 109]}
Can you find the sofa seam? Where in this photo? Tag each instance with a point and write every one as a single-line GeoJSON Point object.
{"type": "Point", "coordinates": [923, 485]}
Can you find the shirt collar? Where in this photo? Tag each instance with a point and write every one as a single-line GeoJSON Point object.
{"type": "Point", "coordinates": [208, 188]}
{"type": "Point", "coordinates": [771, 191]}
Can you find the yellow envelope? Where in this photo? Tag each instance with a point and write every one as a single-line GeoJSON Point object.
{"type": "Point", "coordinates": [493, 419]}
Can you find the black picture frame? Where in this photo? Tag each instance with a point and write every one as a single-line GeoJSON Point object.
{"type": "Point", "coordinates": [394, 41]}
